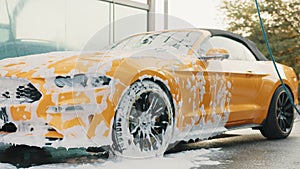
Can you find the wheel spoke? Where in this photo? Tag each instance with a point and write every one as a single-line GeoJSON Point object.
{"type": "Point", "coordinates": [136, 139]}
{"type": "Point", "coordinates": [157, 133]}
{"type": "Point", "coordinates": [158, 141]}
{"type": "Point", "coordinates": [142, 141]}
{"type": "Point", "coordinates": [287, 114]}
{"type": "Point", "coordinates": [156, 114]}
{"type": "Point", "coordinates": [279, 121]}
{"type": "Point", "coordinates": [285, 101]}
{"type": "Point", "coordinates": [287, 107]}
{"type": "Point", "coordinates": [280, 101]}
{"type": "Point", "coordinates": [155, 108]}
{"type": "Point", "coordinates": [281, 124]}
{"type": "Point", "coordinates": [277, 117]}
{"type": "Point", "coordinates": [283, 98]}
{"type": "Point", "coordinates": [286, 123]}
{"type": "Point", "coordinates": [153, 103]}
{"type": "Point", "coordinates": [135, 129]}
{"type": "Point", "coordinates": [150, 144]}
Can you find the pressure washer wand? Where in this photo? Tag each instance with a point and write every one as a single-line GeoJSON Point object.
{"type": "Point", "coordinates": [272, 57]}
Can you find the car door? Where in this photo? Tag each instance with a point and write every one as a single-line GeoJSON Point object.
{"type": "Point", "coordinates": [243, 76]}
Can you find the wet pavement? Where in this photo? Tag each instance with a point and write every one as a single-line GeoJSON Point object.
{"type": "Point", "coordinates": [246, 149]}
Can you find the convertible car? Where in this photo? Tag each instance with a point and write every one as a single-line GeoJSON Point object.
{"type": "Point", "coordinates": [145, 93]}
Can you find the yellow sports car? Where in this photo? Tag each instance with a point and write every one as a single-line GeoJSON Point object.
{"type": "Point", "coordinates": [145, 93]}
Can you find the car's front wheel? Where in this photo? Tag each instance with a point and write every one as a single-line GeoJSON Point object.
{"type": "Point", "coordinates": [143, 122]}
{"type": "Point", "coordinates": [280, 119]}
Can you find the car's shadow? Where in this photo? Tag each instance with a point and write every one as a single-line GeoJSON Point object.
{"type": "Point", "coordinates": [223, 140]}
{"type": "Point", "coordinates": [25, 156]}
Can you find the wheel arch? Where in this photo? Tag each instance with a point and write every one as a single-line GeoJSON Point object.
{"type": "Point", "coordinates": [287, 85]}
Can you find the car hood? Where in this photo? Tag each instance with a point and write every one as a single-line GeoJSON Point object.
{"type": "Point", "coordinates": [70, 63]}
{"type": "Point", "coordinates": [41, 65]}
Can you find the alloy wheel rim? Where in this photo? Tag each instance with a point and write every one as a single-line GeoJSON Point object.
{"type": "Point", "coordinates": [284, 113]}
{"type": "Point", "coordinates": [148, 121]}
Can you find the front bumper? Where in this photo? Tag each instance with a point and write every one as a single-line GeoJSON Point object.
{"type": "Point", "coordinates": [70, 130]}
{"type": "Point", "coordinates": [83, 121]}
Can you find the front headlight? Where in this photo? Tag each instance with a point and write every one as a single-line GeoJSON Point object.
{"type": "Point", "coordinates": [100, 81]}
{"type": "Point", "coordinates": [82, 80]}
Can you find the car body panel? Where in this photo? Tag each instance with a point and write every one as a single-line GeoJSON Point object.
{"type": "Point", "coordinates": [207, 95]}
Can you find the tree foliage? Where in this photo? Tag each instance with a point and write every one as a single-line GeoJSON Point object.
{"type": "Point", "coordinates": [282, 23]}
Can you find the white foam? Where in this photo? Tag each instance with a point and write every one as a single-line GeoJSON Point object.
{"type": "Point", "coordinates": [7, 166]}
{"type": "Point", "coordinates": [182, 160]}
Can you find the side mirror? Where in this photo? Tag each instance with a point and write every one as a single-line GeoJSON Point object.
{"type": "Point", "coordinates": [216, 53]}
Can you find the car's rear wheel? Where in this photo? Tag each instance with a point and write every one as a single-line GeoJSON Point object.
{"type": "Point", "coordinates": [143, 122]}
{"type": "Point", "coordinates": [280, 119]}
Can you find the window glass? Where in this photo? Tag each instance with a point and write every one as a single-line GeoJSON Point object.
{"type": "Point", "coordinates": [179, 42]}
{"type": "Point", "coordinates": [30, 27]}
{"type": "Point", "coordinates": [63, 22]}
{"type": "Point", "coordinates": [4, 34]}
{"type": "Point", "coordinates": [40, 20]}
{"type": "Point", "coordinates": [129, 21]}
{"type": "Point", "coordinates": [40, 26]}
{"type": "Point", "coordinates": [236, 50]}
{"type": "Point", "coordinates": [11, 4]}
{"type": "Point", "coordinates": [5, 26]}
{"type": "Point", "coordinates": [87, 21]}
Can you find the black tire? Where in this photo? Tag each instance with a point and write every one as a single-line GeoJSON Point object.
{"type": "Point", "coordinates": [143, 122]}
{"type": "Point", "coordinates": [280, 119]}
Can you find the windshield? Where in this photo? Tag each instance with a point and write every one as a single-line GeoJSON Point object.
{"type": "Point", "coordinates": [180, 42]}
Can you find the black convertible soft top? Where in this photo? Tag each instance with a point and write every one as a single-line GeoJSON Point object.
{"type": "Point", "coordinates": [248, 43]}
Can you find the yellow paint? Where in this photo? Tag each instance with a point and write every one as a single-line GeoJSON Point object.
{"type": "Point", "coordinates": [56, 121]}
{"type": "Point", "coordinates": [3, 133]}
{"type": "Point", "coordinates": [53, 134]}
{"type": "Point", "coordinates": [214, 51]}
{"type": "Point", "coordinates": [74, 122]}
{"type": "Point", "coordinates": [73, 98]}
{"type": "Point", "coordinates": [99, 97]}
{"type": "Point", "coordinates": [115, 65]}
{"type": "Point", "coordinates": [20, 113]}
{"type": "Point", "coordinates": [43, 106]}
{"type": "Point", "coordinates": [104, 116]}
{"type": "Point", "coordinates": [106, 133]}
{"type": "Point", "coordinates": [14, 64]}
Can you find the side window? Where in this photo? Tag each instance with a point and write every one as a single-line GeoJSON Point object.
{"type": "Point", "coordinates": [236, 50]}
